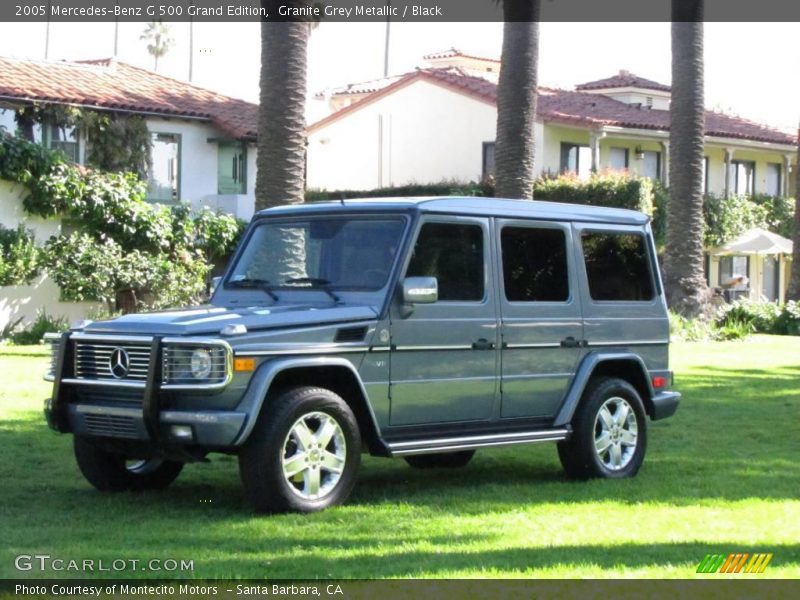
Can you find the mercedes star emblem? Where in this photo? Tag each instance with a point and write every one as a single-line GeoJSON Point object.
{"type": "Point", "coordinates": [119, 362]}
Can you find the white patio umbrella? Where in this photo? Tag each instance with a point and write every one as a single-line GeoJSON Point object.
{"type": "Point", "coordinates": [757, 241]}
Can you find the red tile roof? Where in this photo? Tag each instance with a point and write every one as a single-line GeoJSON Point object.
{"type": "Point", "coordinates": [578, 108]}
{"type": "Point", "coordinates": [455, 52]}
{"type": "Point", "coordinates": [113, 85]}
{"type": "Point", "coordinates": [362, 87]}
{"type": "Point", "coordinates": [623, 79]}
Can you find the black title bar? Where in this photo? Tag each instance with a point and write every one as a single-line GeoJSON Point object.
{"type": "Point", "coordinates": [383, 10]}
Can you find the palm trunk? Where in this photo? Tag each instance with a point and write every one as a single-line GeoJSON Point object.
{"type": "Point", "coordinates": [794, 281]}
{"type": "Point", "coordinates": [280, 174]}
{"type": "Point", "coordinates": [516, 100]}
{"type": "Point", "coordinates": [685, 284]}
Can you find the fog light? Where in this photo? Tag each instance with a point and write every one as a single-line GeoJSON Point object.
{"type": "Point", "coordinates": [182, 432]}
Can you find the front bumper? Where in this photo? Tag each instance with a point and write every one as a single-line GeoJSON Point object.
{"type": "Point", "coordinates": [208, 428]}
{"type": "Point", "coordinates": [665, 404]}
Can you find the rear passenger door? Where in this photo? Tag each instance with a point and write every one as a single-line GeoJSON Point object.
{"type": "Point", "coordinates": [540, 316]}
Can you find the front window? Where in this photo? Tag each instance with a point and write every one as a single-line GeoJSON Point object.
{"type": "Point", "coordinates": [231, 169]}
{"type": "Point", "coordinates": [743, 177]}
{"type": "Point", "coordinates": [332, 253]}
{"type": "Point", "coordinates": [165, 171]}
{"type": "Point", "coordinates": [576, 159]}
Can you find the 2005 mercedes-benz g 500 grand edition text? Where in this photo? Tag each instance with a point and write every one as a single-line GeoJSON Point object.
{"type": "Point", "coordinates": [421, 328]}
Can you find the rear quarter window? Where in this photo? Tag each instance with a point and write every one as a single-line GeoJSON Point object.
{"type": "Point", "coordinates": [617, 266]}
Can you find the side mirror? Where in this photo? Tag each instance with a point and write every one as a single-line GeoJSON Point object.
{"type": "Point", "coordinates": [420, 290]}
{"type": "Point", "coordinates": [215, 281]}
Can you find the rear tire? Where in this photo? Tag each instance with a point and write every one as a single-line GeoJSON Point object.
{"type": "Point", "coordinates": [609, 432]}
{"type": "Point", "coordinates": [444, 460]}
{"type": "Point", "coordinates": [112, 472]}
{"type": "Point", "coordinates": [303, 454]}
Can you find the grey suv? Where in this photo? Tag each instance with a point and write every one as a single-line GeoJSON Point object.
{"type": "Point", "coordinates": [422, 328]}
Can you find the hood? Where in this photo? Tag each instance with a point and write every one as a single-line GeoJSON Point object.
{"type": "Point", "coordinates": [209, 320]}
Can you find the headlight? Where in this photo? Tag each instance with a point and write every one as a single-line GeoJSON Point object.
{"type": "Point", "coordinates": [54, 339]}
{"type": "Point", "coordinates": [201, 363]}
{"type": "Point", "coordinates": [206, 364]}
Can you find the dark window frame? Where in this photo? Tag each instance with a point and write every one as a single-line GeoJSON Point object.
{"type": "Point", "coordinates": [735, 164]}
{"type": "Point", "coordinates": [563, 165]}
{"type": "Point", "coordinates": [486, 170]}
{"type": "Point", "coordinates": [627, 155]}
{"type": "Point", "coordinates": [535, 228]}
{"type": "Point", "coordinates": [178, 168]}
{"type": "Point", "coordinates": [655, 289]}
{"type": "Point", "coordinates": [780, 178]}
{"type": "Point", "coordinates": [484, 266]}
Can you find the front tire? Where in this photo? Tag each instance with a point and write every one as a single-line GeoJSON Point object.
{"type": "Point", "coordinates": [112, 472]}
{"type": "Point", "coordinates": [303, 454]}
{"type": "Point", "coordinates": [609, 432]}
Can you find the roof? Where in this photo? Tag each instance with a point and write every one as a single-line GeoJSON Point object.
{"type": "Point", "coordinates": [583, 109]}
{"type": "Point", "coordinates": [475, 206]}
{"type": "Point", "coordinates": [621, 80]}
{"type": "Point", "coordinates": [757, 241]}
{"type": "Point", "coordinates": [114, 85]}
{"type": "Point", "coordinates": [362, 87]}
{"type": "Point", "coordinates": [456, 53]}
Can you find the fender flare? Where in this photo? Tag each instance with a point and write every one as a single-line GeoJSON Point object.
{"type": "Point", "coordinates": [584, 373]}
{"type": "Point", "coordinates": [253, 400]}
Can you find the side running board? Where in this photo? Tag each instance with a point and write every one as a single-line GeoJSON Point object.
{"type": "Point", "coordinates": [452, 444]}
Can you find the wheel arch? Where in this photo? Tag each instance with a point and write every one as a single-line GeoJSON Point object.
{"type": "Point", "coordinates": [623, 365]}
{"type": "Point", "coordinates": [332, 373]}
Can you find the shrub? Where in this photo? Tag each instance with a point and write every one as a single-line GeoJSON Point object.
{"type": "Point", "coordinates": [444, 188]}
{"type": "Point", "coordinates": [34, 333]}
{"type": "Point", "coordinates": [19, 256]}
{"type": "Point", "coordinates": [729, 217]}
{"type": "Point", "coordinates": [612, 188]}
{"type": "Point", "coordinates": [762, 317]}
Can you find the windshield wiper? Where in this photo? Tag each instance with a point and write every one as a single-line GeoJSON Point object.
{"type": "Point", "coordinates": [253, 283]}
{"type": "Point", "coordinates": [316, 283]}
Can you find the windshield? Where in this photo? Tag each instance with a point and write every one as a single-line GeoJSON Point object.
{"type": "Point", "coordinates": [343, 253]}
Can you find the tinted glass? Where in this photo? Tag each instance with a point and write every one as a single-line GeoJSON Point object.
{"type": "Point", "coordinates": [340, 253]}
{"type": "Point", "coordinates": [453, 253]}
{"type": "Point", "coordinates": [618, 266]}
{"type": "Point", "coordinates": [535, 264]}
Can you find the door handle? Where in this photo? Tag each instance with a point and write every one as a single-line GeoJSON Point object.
{"type": "Point", "coordinates": [570, 342]}
{"type": "Point", "coordinates": [482, 344]}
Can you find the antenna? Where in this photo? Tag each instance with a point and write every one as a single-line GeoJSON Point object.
{"type": "Point", "coordinates": [342, 200]}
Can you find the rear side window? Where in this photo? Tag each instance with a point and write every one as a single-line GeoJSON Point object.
{"type": "Point", "coordinates": [453, 253]}
{"type": "Point", "coordinates": [617, 266]}
{"type": "Point", "coordinates": [535, 264]}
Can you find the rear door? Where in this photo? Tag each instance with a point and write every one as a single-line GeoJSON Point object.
{"type": "Point", "coordinates": [540, 313]}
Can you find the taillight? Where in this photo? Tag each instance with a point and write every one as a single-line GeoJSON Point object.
{"type": "Point", "coordinates": [659, 382]}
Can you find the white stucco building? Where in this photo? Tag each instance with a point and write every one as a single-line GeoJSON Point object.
{"type": "Point", "coordinates": [438, 123]}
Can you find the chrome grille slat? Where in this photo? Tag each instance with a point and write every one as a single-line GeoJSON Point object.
{"type": "Point", "coordinates": [111, 426]}
{"type": "Point", "coordinates": [92, 360]}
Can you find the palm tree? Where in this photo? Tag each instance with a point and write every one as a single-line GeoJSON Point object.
{"type": "Point", "coordinates": [685, 284]}
{"type": "Point", "coordinates": [160, 40]}
{"type": "Point", "coordinates": [281, 158]}
{"type": "Point", "coordinates": [794, 281]}
{"type": "Point", "coordinates": [516, 100]}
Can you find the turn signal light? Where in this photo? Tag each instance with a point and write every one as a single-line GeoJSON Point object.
{"type": "Point", "coordinates": [244, 364]}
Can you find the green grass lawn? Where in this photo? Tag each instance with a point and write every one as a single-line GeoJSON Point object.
{"type": "Point", "coordinates": [721, 476]}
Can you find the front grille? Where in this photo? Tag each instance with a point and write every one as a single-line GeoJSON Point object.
{"type": "Point", "coordinates": [55, 345]}
{"type": "Point", "coordinates": [111, 361]}
{"type": "Point", "coordinates": [111, 426]}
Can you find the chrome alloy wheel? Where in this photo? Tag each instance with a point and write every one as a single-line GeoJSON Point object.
{"type": "Point", "coordinates": [314, 455]}
{"type": "Point", "coordinates": [615, 433]}
{"type": "Point", "coordinates": [142, 466]}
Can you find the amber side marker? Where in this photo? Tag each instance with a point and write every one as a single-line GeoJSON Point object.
{"type": "Point", "coordinates": [244, 364]}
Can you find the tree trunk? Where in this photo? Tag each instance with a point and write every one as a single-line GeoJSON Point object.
{"type": "Point", "coordinates": [516, 100]}
{"type": "Point", "coordinates": [685, 284]}
{"type": "Point", "coordinates": [280, 168]}
{"type": "Point", "coordinates": [794, 281]}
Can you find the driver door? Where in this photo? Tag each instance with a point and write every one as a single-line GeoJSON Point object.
{"type": "Point", "coordinates": [444, 354]}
